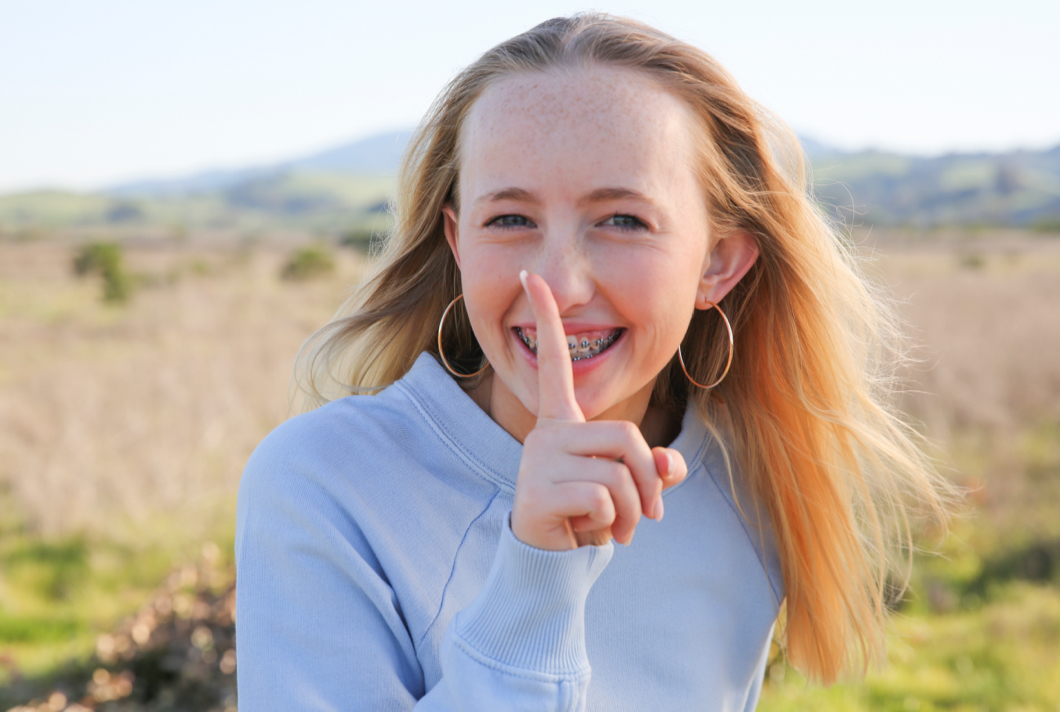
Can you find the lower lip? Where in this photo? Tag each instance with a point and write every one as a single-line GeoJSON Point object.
{"type": "Point", "coordinates": [579, 367]}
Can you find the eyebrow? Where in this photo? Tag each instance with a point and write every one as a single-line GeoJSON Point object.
{"type": "Point", "coordinates": [604, 194]}
{"type": "Point", "coordinates": [597, 196]}
{"type": "Point", "coordinates": [509, 194]}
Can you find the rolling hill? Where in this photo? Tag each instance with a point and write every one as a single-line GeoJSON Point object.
{"type": "Point", "coordinates": [346, 188]}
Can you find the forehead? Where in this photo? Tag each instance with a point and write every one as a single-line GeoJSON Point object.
{"type": "Point", "coordinates": [584, 118]}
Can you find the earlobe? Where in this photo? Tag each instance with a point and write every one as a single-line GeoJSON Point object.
{"type": "Point", "coordinates": [450, 223]}
{"type": "Point", "coordinates": [732, 257]}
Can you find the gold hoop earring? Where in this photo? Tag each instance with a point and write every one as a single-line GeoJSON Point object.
{"type": "Point", "coordinates": [727, 365]}
{"type": "Point", "coordinates": [441, 325]}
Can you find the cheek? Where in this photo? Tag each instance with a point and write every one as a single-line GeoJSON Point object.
{"type": "Point", "coordinates": [659, 282]}
{"type": "Point", "coordinates": [490, 289]}
{"type": "Point", "coordinates": [658, 292]}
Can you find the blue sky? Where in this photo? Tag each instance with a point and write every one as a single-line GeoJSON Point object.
{"type": "Point", "coordinates": [93, 93]}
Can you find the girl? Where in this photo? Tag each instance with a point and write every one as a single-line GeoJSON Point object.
{"type": "Point", "coordinates": [608, 299]}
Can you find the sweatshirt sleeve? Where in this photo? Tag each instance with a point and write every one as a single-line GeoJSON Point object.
{"type": "Point", "coordinates": [319, 627]}
{"type": "Point", "coordinates": [520, 645]}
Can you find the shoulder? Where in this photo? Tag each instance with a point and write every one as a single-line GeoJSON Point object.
{"type": "Point", "coordinates": [368, 461]}
{"type": "Point", "coordinates": [365, 451]}
{"type": "Point", "coordinates": [342, 436]}
{"type": "Point", "coordinates": [323, 470]}
{"type": "Point", "coordinates": [365, 486]}
{"type": "Point", "coordinates": [355, 425]}
{"type": "Point", "coordinates": [413, 417]}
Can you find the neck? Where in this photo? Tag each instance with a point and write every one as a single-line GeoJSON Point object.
{"type": "Point", "coordinates": [658, 425]}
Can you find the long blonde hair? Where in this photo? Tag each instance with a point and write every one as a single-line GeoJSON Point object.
{"type": "Point", "coordinates": [809, 398]}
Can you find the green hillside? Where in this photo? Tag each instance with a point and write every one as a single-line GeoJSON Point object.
{"type": "Point", "coordinates": [1021, 188]}
{"type": "Point", "coordinates": [313, 201]}
{"type": "Point", "coordinates": [1016, 189]}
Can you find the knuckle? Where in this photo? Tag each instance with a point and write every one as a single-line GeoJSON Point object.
{"type": "Point", "coordinates": [599, 499]}
{"type": "Point", "coordinates": [627, 493]}
{"type": "Point", "coordinates": [615, 472]}
{"type": "Point", "coordinates": [625, 429]}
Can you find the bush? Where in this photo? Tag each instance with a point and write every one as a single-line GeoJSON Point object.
{"type": "Point", "coordinates": [93, 257]}
{"type": "Point", "coordinates": [309, 263]}
{"type": "Point", "coordinates": [358, 238]}
{"type": "Point", "coordinates": [105, 259]}
{"type": "Point", "coordinates": [1047, 224]}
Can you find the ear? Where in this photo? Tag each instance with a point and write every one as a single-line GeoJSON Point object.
{"type": "Point", "coordinates": [732, 256]}
{"type": "Point", "coordinates": [451, 225]}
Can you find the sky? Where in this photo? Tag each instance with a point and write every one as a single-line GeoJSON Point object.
{"type": "Point", "coordinates": [97, 93]}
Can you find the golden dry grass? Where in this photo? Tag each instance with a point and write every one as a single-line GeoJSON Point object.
{"type": "Point", "coordinates": [110, 416]}
{"type": "Point", "coordinates": [987, 386]}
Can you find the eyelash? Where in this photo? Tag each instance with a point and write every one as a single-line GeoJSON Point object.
{"type": "Point", "coordinates": [633, 224]}
{"type": "Point", "coordinates": [499, 221]}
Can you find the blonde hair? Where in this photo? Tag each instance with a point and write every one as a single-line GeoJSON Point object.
{"type": "Point", "coordinates": [809, 398]}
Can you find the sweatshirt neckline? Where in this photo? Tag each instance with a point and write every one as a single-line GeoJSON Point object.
{"type": "Point", "coordinates": [488, 447]}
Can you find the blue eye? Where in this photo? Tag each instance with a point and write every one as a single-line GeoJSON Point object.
{"type": "Point", "coordinates": [509, 221]}
{"type": "Point", "coordinates": [625, 222]}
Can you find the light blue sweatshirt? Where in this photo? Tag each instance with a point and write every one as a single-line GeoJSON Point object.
{"type": "Point", "coordinates": [377, 571]}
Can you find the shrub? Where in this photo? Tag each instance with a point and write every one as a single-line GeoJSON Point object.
{"type": "Point", "coordinates": [105, 259]}
{"type": "Point", "coordinates": [358, 238]}
{"type": "Point", "coordinates": [309, 263]}
{"type": "Point", "coordinates": [1047, 224]}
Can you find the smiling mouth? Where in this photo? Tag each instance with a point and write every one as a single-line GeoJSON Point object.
{"type": "Point", "coordinates": [581, 346]}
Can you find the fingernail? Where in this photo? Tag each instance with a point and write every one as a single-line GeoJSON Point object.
{"type": "Point", "coordinates": [657, 513]}
{"type": "Point", "coordinates": [522, 278]}
{"type": "Point", "coordinates": [669, 465]}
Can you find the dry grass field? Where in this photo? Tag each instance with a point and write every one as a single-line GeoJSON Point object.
{"type": "Point", "coordinates": [111, 415]}
{"type": "Point", "coordinates": [124, 429]}
{"type": "Point", "coordinates": [986, 387]}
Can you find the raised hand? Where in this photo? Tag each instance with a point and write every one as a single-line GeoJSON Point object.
{"type": "Point", "coordinates": [581, 482]}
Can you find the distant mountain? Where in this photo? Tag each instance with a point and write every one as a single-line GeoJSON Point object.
{"type": "Point", "coordinates": [195, 184]}
{"type": "Point", "coordinates": [864, 187]}
{"type": "Point", "coordinates": [818, 149]}
{"type": "Point", "coordinates": [375, 155]}
{"type": "Point", "coordinates": [346, 188]}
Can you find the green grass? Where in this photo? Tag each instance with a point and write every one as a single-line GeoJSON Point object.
{"type": "Point", "coordinates": [979, 630]}
{"type": "Point", "coordinates": [58, 595]}
{"type": "Point", "coordinates": [970, 636]}
{"type": "Point", "coordinates": [1002, 655]}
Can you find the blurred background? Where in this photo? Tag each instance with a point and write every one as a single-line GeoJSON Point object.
{"type": "Point", "coordinates": [188, 190]}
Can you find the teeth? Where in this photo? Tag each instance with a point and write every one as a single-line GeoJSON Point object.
{"type": "Point", "coordinates": [579, 345]}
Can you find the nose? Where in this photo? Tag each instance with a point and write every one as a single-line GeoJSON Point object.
{"type": "Point", "coordinates": [567, 270]}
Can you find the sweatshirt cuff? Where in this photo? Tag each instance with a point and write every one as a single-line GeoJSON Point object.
{"type": "Point", "coordinates": [530, 613]}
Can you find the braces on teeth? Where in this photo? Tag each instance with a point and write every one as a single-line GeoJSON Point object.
{"type": "Point", "coordinates": [578, 351]}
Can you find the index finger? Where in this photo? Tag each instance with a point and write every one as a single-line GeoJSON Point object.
{"type": "Point", "coordinates": [555, 376]}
